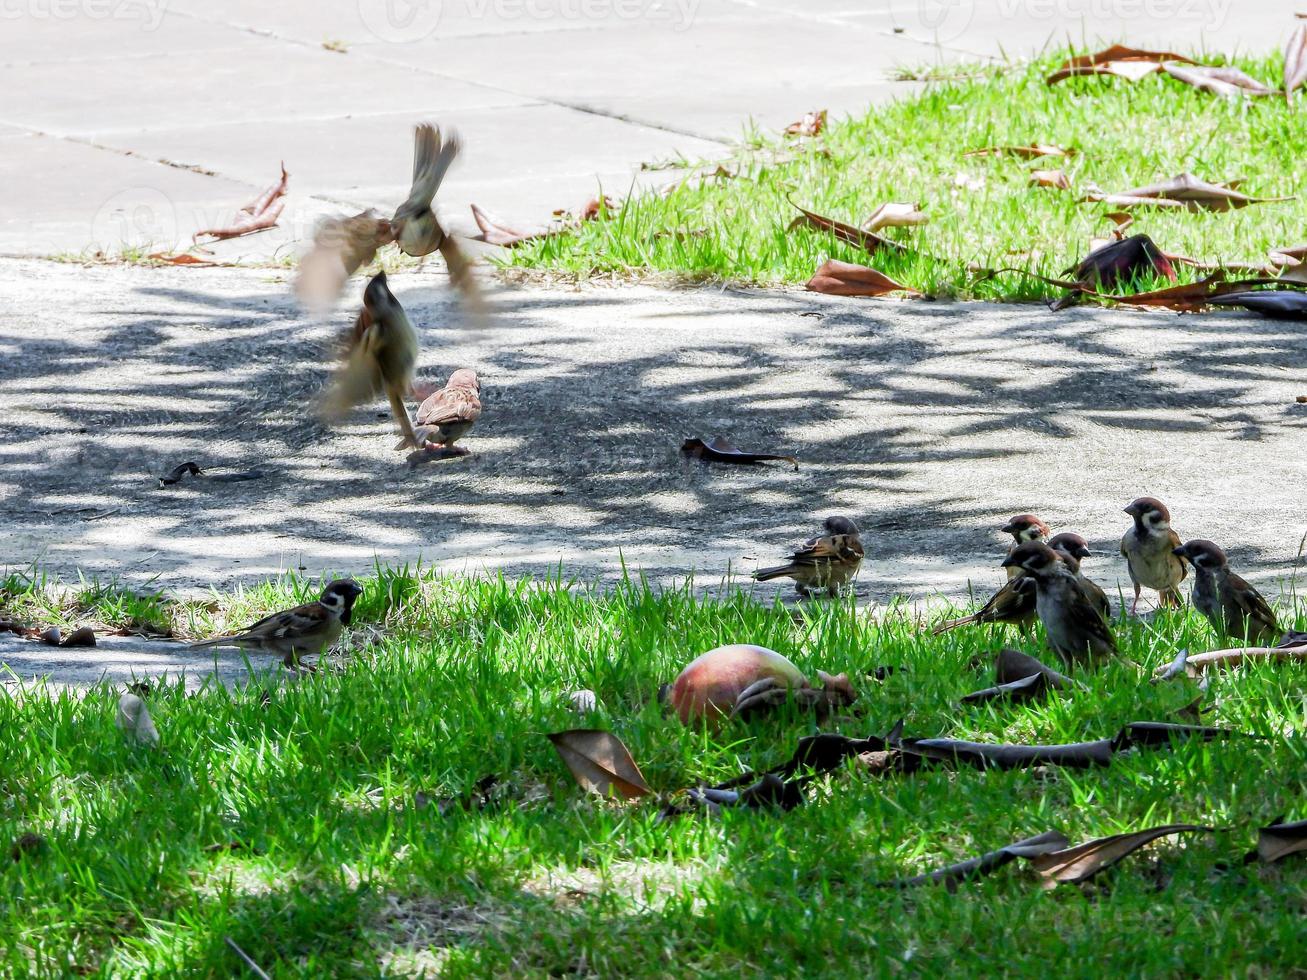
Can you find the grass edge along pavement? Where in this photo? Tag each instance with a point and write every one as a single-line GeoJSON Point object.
{"type": "Point", "coordinates": [728, 220]}
{"type": "Point", "coordinates": [334, 824]}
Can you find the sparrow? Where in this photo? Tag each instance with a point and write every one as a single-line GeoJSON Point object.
{"type": "Point", "coordinates": [307, 629]}
{"type": "Point", "coordinates": [447, 415]}
{"type": "Point", "coordinates": [1023, 528]}
{"type": "Point", "coordinates": [1231, 605]}
{"type": "Point", "coordinates": [381, 354]}
{"type": "Point", "coordinates": [826, 561]}
{"type": "Point", "coordinates": [1149, 550]}
{"type": "Point", "coordinates": [1071, 548]}
{"type": "Point", "coordinates": [342, 246]}
{"type": "Point", "coordinates": [1076, 631]}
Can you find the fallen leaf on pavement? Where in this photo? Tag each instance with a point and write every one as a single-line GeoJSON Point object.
{"type": "Point", "coordinates": [837, 278]}
{"type": "Point", "coordinates": [1050, 178]}
{"type": "Point", "coordinates": [1183, 191]}
{"type": "Point", "coordinates": [954, 874]}
{"type": "Point", "coordinates": [811, 124]}
{"type": "Point", "coordinates": [1189, 297]}
{"type": "Point", "coordinates": [869, 241]}
{"type": "Point", "coordinates": [260, 214]}
{"type": "Point", "coordinates": [1276, 304]}
{"type": "Point", "coordinates": [134, 719]}
{"type": "Point", "coordinates": [600, 763]}
{"type": "Point", "coordinates": [179, 258]}
{"type": "Point", "coordinates": [721, 450]}
{"type": "Point", "coordinates": [1227, 82]}
{"type": "Point", "coordinates": [1086, 860]}
{"type": "Point", "coordinates": [174, 475]}
{"type": "Point", "coordinates": [1026, 152]}
{"type": "Point", "coordinates": [494, 231]}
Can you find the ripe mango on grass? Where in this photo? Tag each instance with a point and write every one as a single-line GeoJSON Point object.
{"type": "Point", "coordinates": [708, 687]}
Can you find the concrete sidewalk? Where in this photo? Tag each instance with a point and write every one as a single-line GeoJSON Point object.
{"type": "Point", "coordinates": [137, 122]}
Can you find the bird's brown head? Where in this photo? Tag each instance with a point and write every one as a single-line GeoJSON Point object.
{"type": "Point", "coordinates": [377, 296]}
{"type": "Point", "coordinates": [1033, 557]}
{"type": "Point", "coordinates": [840, 525]}
{"type": "Point", "coordinates": [339, 597]}
{"type": "Point", "coordinates": [1150, 513]}
{"type": "Point", "coordinates": [1026, 527]}
{"type": "Point", "coordinates": [464, 378]}
{"type": "Point", "coordinates": [1203, 554]}
{"type": "Point", "coordinates": [1071, 543]}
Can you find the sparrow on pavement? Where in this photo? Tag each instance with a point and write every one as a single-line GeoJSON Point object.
{"type": "Point", "coordinates": [446, 415]}
{"type": "Point", "coordinates": [342, 246]}
{"type": "Point", "coordinates": [1076, 631]}
{"type": "Point", "coordinates": [1149, 550]}
{"type": "Point", "coordinates": [1023, 528]}
{"type": "Point", "coordinates": [1071, 548]}
{"type": "Point", "coordinates": [307, 629]}
{"type": "Point", "coordinates": [826, 561]}
{"type": "Point", "coordinates": [381, 356]}
{"type": "Point", "coordinates": [1233, 607]}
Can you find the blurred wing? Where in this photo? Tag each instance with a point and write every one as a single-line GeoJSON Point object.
{"type": "Point", "coordinates": [359, 379]}
{"type": "Point", "coordinates": [463, 278]}
{"type": "Point", "coordinates": [431, 160]}
{"type": "Point", "coordinates": [826, 550]}
{"type": "Point", "coordinates": [341, 247]}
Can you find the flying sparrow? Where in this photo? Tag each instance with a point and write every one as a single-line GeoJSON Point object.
{"type": "Point", "coordinates": [1076, 631]}
{"type": "Point", "coordinates": [1071, 548]}
{"type": "Point", "coordinates": [826, 561]}
{"type": "Point", "coordinates": [1231, 605]}
{"type": "Point", "coordinates": [381, 356]}
{"type": "Point", "coordinates": [1149, 549]}
{"type": "Point", "coordinates": [342, 246]}
{"type": "Point", "coordinates": [447, 415]}
{"type": "Point", "coordinates": [307, 629]}
{"type": "Point", "coordinates": [1023, 528]}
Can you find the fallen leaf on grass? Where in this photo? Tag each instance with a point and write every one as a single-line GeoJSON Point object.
{"type": "Point", "coordinates": [1189, 297]}
{"type": "Point", "coordinates": [1235, 656]}
{"type": "Point", "coordinates": [1279, 840]}
{"type": "Point", "coordinates": [986, 755]}
{"type": "Point", "coordinates": [1131, 63]}
{"type": "Point", "coordinates": [260, 214]}
{"type": "Point", "coordinates": [494, 231]}
{"type": "Point", "coordinates": [1159, 734]}
{"type": "Point", "coordinates": [1277, 304]}
{"type": "Point", "coordinates": [720, 450]}
{"type": "Point", "coordinates": [600, 763]}
{"type": "Point", "coordinates": [180, 258]}
{"type": "Point", "coordinates": [1295, 61]}
{"type": "Point", "coordinates": [837, 278]}
{"type": "Point", "coordinates": [866, 240]}
{"type": "Point", "coordinates": [769, 791]}
{"type": "Point", "coordinates": [1050, 178]}
{"type": "Point", "coordinates": [1025, 152]}
{"type": "Point", "coordinates": [811, 124]}
{"type": "Point", "coordinates": [1227, 82]}
{"type": "Point", "coordinates": [1012, 665]}
{"type": "Point", "coordinates": [895, 215]}
{"type": "Point", "coordinates": [1086, 860]}
{"type": "Point", "coordinates": [83, 636]}
{"type": "Point", "coordinates": [954, 874]}
{"type": "Point", "coordinates": [1183, 191]}
{"type": "Point", "coordinates": [134, 719]}
{"type": "Point", "coordinates": [1110, 265]}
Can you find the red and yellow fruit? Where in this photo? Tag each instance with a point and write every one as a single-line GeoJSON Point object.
{"type": "Point", "coordinates": [708, 687]}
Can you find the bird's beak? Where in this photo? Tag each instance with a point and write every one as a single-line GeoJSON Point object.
{"type": "Point", "coordinates": [1009, 529]}
{"type": "Point", "coordinates": [1008, 562]}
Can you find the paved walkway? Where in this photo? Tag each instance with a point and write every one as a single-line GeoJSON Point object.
{"type": "Point", "coordinates": [140, 121]}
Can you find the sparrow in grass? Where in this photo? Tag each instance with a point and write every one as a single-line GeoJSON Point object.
{"type": "Point", "coordinates": [307, 629]}
{"type": "Point", "coordinates": [447, 415]}
{"type": "Point", "coordinates": [827, 561]}
{"type": "Point", "coordinates": [342, 246]}
{"type": "Point", "coordinates": [381, 354]}
{"type": "Point", "coordinates": [1233, 607]}
{"type": "Point", "coordinates": [1023, 528]}
{"type": "Point", "coordinates": [1149, 550]}
{"type": "Point", "coordinates": [1076, 631]}
{"type": "Point", "coordinates": [1072, 548]}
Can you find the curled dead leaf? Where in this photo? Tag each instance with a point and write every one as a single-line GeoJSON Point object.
{"type": "Point", "coordinates": [1223, 81]}
{"type": "Point", "coordinates": [722, 450]}
{"type": "Point", "coordinates": [1086, 860]}
{"type": "Point", "coordinates": [811, 124]}
{"type": "Point", "coordinates": [837, 278]}
{"type": "Point", "coordinates": [1279, 840]}
{"type": "Point", "coordinates": [1050, 178]}
{"type": "Point", "coordinates": [260, 214]}
{"type": "Point", "coordinates": [495, 231]}
{"type": "Point", "coordinates": [1183, 191]}
{"type": "Point", "coordinates": [1125, 62]}
{"type": "Point", "coordinates": [895, 215]}
{"type": "Point", "coordinates": [954, 874]}
{"type": "Point", "coordinates": [1025, 152]}
{"type": "Point", "coordinates": [600, 762]}
{"type": "Point", "coordinates": [867, 240]}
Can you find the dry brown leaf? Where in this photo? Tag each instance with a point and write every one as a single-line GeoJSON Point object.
{"type": "Point", "coordinates": [1086, 860]}
{"type": "Point", "coordinates": [600, 763]}
{"type": "Point", "coordinates": [260, 214]}
{"type": "Point", "coordinates": [494, 231]}
{"type": "Point", "coordinates": [811, 124]}
{"type": "Point", "coordinates": [895, 215]}
{"type": "Point", "coordinates": [954, 874]}
{"type": "Point", "coordinates": [866, 240]}
{"type": "Point", "coordinates": [1050, 178]}
{"type": "Point", "coordinates": [179, 258]}
{"type": "Point", "coordinates": [846, 279]}
{"type": "Point", "coordinates": [1295, 61]}
{"type": "Point", "coordinates": [1183, 191]}
{"type": "Point", "coordinates": [1131, 63]}
{"type": "Point", "coordinates": [1235, 656]}
{"type": "Point", "coordinates": [1280, 839]}
{"type": "Point", "coordinates": [1224, 81]}
{"type": "Point", "coordinates": [1026, 152]}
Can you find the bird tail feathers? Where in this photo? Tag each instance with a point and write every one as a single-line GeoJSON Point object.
{"type": "Point", "coordinates": [767, 574]}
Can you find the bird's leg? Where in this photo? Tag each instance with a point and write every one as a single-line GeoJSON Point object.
{"type": "Point", "coordinates": [401, 416]}
{"type": "Point", "coordinates": [1134, 606]}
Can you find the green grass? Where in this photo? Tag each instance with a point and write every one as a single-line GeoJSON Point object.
{"type": "Point", "coordinates": [337, 872]}
{"type": "Point", "coordinates": [1127, 135]}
